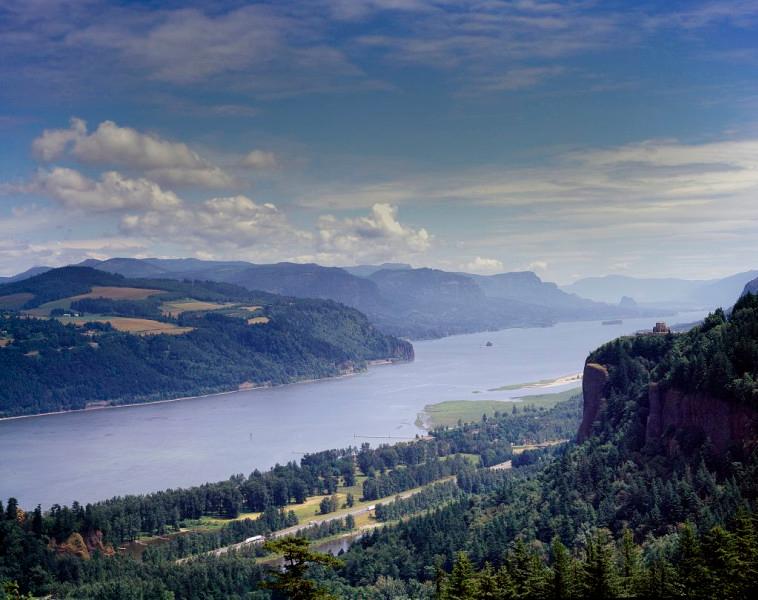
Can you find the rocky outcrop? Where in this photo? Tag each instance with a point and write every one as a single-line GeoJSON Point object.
{"type": "Point", "coordinates": [593, 389]}
{"type": "Point", "coordinates": [402, 350]}
{"type": "Point", "coordinates": [74, 546]}
{"type": "Point", "coordinates": [77, 545]}
{"type": "Point", "coordinates": [725, 423]}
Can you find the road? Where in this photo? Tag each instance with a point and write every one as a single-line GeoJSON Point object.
{"type": "Point", "coordinates": [295, 529]}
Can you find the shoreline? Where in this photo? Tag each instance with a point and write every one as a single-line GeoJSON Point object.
{"type": "Point", "coordinates": [241, 388]}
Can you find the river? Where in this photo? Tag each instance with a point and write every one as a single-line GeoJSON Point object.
{"type": "Point", "coordinates": [98, 454]}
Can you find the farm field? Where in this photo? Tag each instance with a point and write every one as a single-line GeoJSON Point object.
{"type": "Point", "coordinates": [130, 325]}
{"type": "Point", "coordinates": [15, 301]}
{"type": "Point", "coordinates": [176, 307]}
{"type": "Point", "coordinates": [112, 293]}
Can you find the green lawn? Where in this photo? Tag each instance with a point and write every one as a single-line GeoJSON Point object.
{"type": "Point", "coordinates": [447, 414]}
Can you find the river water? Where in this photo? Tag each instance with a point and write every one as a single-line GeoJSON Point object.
{"type": "Point", "coordinates": [98, 454]}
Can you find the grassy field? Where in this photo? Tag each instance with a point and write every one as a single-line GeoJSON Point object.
{"type": "Point", "coordinates": [112, 293]}
{"type": "Point", "coordinates": [15, 301]}
{"type": "Point", "coordinates": [447, 414]}
{"type": "Point", "coordinates": [120, 293]}
{"type": "Point", "coordinates": [130, 325]}
{"type": "Point", "coordinates": [177, 307]}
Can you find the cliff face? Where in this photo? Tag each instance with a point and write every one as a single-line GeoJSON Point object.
{"type": "Point", "coordinates": [725, 423]}
{"type": "Point", "coordinates": [593, 387]}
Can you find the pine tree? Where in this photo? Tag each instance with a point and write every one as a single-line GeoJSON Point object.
{"type": "Point", "coordinates": [747, 550]}
{"type": "Point", "coordinates": [722, 564]}
{"type": "Point", "coordinates": [487, 584]}
{"type": "Point", "coordinates": [298, 557]}
{"type": "Point", "coordinates": [600, 577]}
{"type": "Point", "coordinates": [462, 583]}
{"type": "Point", "coordinates": [689, 562]}
{"type": "Point", "coordinates": [562, 584]}
{"type": "Point", "coordinates": [630, 567]}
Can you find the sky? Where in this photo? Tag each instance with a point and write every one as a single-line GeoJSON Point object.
{"type": "Point", "coordinates": [573, 139]}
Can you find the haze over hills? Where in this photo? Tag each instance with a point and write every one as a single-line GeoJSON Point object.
{"type": "Point", "coordinates": [751, 287]}
{"type": "Point", "coordinates": [368, 270]}
{"type": "Point", "coordinates": [414, 303]}
{"type": "Point", "coordinates": [674, 292]}
{"type": "Point", "coordinates": [25, 274]}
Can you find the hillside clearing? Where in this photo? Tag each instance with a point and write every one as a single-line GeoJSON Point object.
{"type": "Point", "coordinates": [130, 325]}
{"type": "Point", "coordinates": [109, 292]}
{"type": "Point", "coordinates": [258, 321]}
{"type": "Point", "coordinates": [15, 301]}
{"type": "Point", "coordinates": [177, 307]}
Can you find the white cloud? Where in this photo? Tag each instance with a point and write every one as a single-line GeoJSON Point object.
{"type": "Point", "coordinates": [52, 143]}
{"type": "Point", "coordinates": [520, 78]}
{"type": "Point", "coordinates": [484, 266]}
{"type": "Point", "coordinates": [378, 236]}
{"type": "Point", "coordinates": [240, 227]}
{"type": "Point", "coordinates": [161, 160]}
{"type": "Point", "coordinates": [231, 222]}
{"type": "Point", "coordinates": [260, 159]}
{"type": "Point", "coordinates": [279, 47]}
{"type": "Point", "coordinates": [113, 192]}
{"type": "Point", "coordinates": [209, 177]}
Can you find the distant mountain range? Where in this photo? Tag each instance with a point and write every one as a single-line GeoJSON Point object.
{"type": "Point", "coordinates": [671, 292]}
{"type": "Point", "coordinates": [414, 303]}
{"type": "Point", "coordinates": [25, 275]}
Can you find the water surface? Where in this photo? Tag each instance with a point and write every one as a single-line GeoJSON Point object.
{"type": "Point", "coordinates": [94, 455]}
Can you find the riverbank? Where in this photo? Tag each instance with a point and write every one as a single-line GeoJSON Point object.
{"type": "Point", "coordinates": [243, 387]}
{"type": "Point", "coordinates": [181, 444]}
{"type": "Point", "coordinates": [542, 383]}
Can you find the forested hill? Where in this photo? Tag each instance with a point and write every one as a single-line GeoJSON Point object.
{"type": "Point", "coordinates": [619, 513]}
{"type": "Point", "coordinates": [686, 388]}
{"type": "Point", "coordinates": [75, 336]}
{"type": "Point", "coordinates": [644, 506]}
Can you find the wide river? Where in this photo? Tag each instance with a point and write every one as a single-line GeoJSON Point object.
{"type": "Point", "coordinates": [93, 455]}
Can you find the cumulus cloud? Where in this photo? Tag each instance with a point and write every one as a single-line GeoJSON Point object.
{"type": "Point", "coordinates": [238, 226]}
{"type": "Point", "coordinates": [112, 192]}
{"type": "Point", "coordinates": [162, 160]}
{"type": "Point", "coordinates": [209, 177]}
{"type": "Point", "coordinates": [230, 222]}
{"type": "Point", "coordinates": [53, 143]}
{"type": "Point", "coordinates": [376, 236]}
{"type": "Point", "coordinates": [260, 159]}
{"type": "Point", "coordinates": [484, 266]}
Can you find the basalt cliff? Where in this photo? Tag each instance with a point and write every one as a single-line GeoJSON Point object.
{"type": "Point", "coordinates": [672, 415]}
{"type": "Point", "coordinates": [676, 392]}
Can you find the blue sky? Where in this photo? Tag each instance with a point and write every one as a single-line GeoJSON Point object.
{"type": "Point", "coordinates": [571, 138]}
